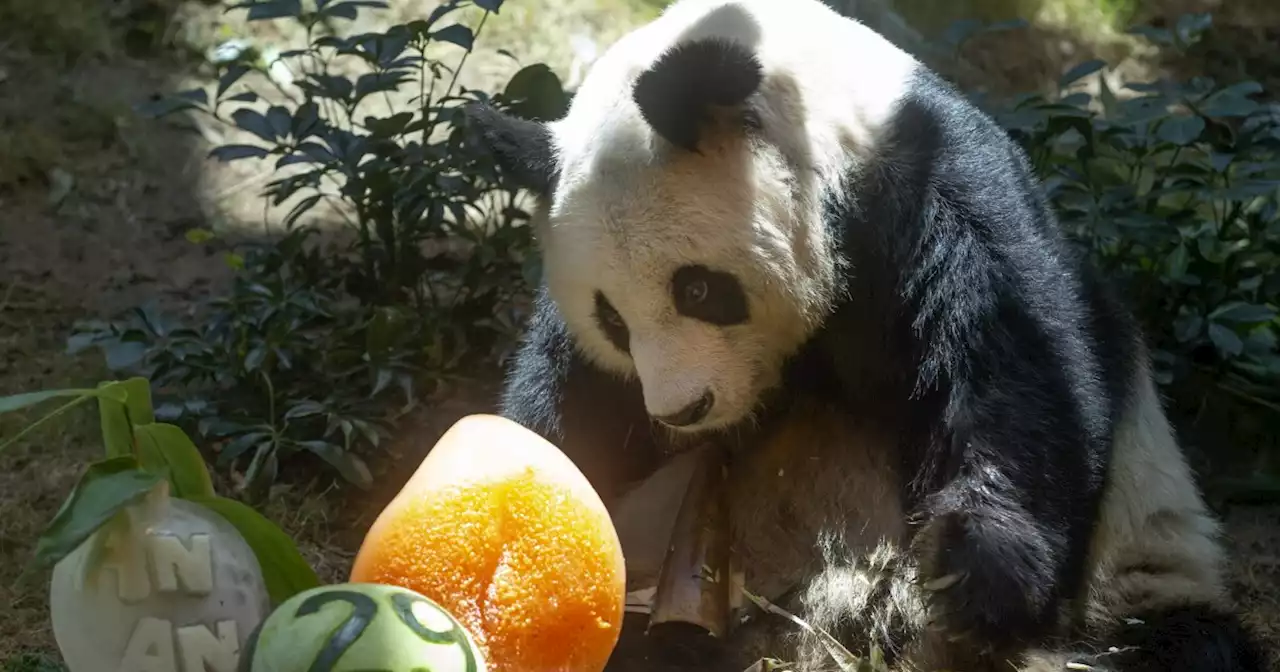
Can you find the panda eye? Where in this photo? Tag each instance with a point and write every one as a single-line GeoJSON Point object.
{"type": "Point", "coordinates": [714, 297]}
{"type": "Point", "coordinates": [695, 292]}
{"type": "Point", "coordinates": [612, 324]}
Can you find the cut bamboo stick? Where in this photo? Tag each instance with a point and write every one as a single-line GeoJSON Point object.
{"type": "Point", "coordinates": [695, 583]}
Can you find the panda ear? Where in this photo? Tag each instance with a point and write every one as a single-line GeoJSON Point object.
{"type": "Point", "coordinates": [522, 148]}
{"type": "Point", "coordinates": [676, 93]}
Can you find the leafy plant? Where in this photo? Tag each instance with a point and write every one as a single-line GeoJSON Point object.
{"type": "Point", "coordinates": [409, 179]}
{"type": "Point", "coordinates": [1174, 190]}
{"type": "Point", "coordinates": [1172, 187]}
{"type": "Point", "coordinates": [319, 349]}
{"type": "Point", "coordinates": [140, 455]}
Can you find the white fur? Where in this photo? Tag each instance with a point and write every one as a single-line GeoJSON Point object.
{"type": "Point", "coordinates": [1153, 513]}
{"type": "Point", "coordinates": [630, 209]}
{"type": "Point", "coordinates": [1156, 544]}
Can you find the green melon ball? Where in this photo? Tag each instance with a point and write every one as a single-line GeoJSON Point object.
{"type": "Point", "coordinates": [360, 627]}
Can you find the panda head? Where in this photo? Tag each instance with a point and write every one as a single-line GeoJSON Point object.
{"type": "Point", "coordinates": [681, 199]}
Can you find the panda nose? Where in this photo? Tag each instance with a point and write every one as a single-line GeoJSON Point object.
{"type": "Point", "coordinates": [690, 414]}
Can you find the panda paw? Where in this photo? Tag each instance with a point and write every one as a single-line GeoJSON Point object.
{"type": "Point", "coordinates": [1056, 661]}
{"type": "Point", "coordinates": [986, 579]}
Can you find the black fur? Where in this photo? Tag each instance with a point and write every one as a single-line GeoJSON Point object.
{"type": "Point", "coordinates": [552, 390]}
{"type": "Point", "coordinates": [1010, 469]}
{"type": "Point", "coordinates": [1185, 639]}
{"type": "Point", "coordinates": [521, 146]}
{"type": "Point", "coordinates": [723, 303]}
{"type": "Point", "coordinates": [676, 93]}
{"type": "Point", "coordinates": [969, 327]}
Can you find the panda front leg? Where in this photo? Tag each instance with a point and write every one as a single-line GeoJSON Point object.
{"type": "Point", "coordinates": [598, 420]}
{"type": "Point", "coordinates": [987, 573]}
{"type": "Point", "coordinates": [1003, 537]}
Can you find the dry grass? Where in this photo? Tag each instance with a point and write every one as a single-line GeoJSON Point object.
{"type": "Point", "coordinates": [36, 474]}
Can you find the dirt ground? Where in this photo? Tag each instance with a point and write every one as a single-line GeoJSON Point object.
{"type": "Point", "coordinates": [94, 205]}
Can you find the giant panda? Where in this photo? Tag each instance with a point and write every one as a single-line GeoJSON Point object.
{"type": "Point", "coordinates": [765, 227]}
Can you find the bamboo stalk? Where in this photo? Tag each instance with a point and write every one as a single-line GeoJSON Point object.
{"type": "Point", "coordinates": [695, 583]}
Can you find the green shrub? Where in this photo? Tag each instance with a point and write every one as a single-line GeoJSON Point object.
{"type": "Point", "coordinates": [1173, 189]}
{"type": "Point", "coordinates": [318, 349]}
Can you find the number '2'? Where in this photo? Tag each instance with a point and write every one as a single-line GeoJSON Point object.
{"type": "Point", "coordinates": [364, 610]}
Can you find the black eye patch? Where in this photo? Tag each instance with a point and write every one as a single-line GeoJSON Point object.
{"type": "Point", "coordinates": [714, 297]}
{"type": "Point", "coordinates": [611, 323]}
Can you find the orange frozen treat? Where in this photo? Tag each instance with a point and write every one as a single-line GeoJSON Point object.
{"type": "Point", "coordinates": [500, 528]}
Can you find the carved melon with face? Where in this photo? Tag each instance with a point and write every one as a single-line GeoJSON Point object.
{"type": "Point", "coordinates": [357, 627]}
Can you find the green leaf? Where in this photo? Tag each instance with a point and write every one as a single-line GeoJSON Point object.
{"type": "Point", "coordinates": [352, 468]}
{"type": "Point", "coordinates": [378, 82]}
{"type": "Point", "coordinates": [160, 107]}
{"type": "Point", "coordinates": [117, 435]}
{"type": "Point", "coordinates": [535, 92]}
{"type": "Point", "coordinates": [104, 489]}
{"type": "Point", "coordinates": [390, 126]}
{"type": "Point", "coordinates": [300, 209]}
{"type": "Point", "coordinates": [79, 341]}
{"type": "Point", "coordinates": [271, 9]}
{"type": "Point", "coordinates": [138, 400]}
{"type": "Point", "coordinates": [235, 448]}
{"type": "Point", "coordinates": [1108, 98]}
{"type": "Point", "coordinates": [1225, 340]}
{"type": "Point", "coordinates": [19, 401]}
{"type": "Point", "coordinates": [1180, 130]}
{"type": "Point", "coordinates": [456, 34]}
{"type": "Point", "coordinates": [1228, 103]}
{"type": "Point", "coordinates": [254, 122]}
{"type": "Point", "coordinates": [264, 461]}
{"type": "Point", "coordinates": [233, 74]}
{"type": "Point", "coordinates": [350, 10]}
{"type": "Point", "coordinates": [229, 153]}
{"type": "Point", "coordinates": [1177, 262]}
{"type": "Point", "coordinates": [117, 416]}
{"type": "Point", "coordinates": [285, 571]}
{"type": "Point", "coordinates": [1241, 312]}
{"type": "Point", "coordinates": [166, 447]}
{"type": "Point", "coordinates": [1080, 71]}
{"type": "Point", "coordinates": [255, 358]}
{"type": "Point", "coordinates": [124, 354]}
